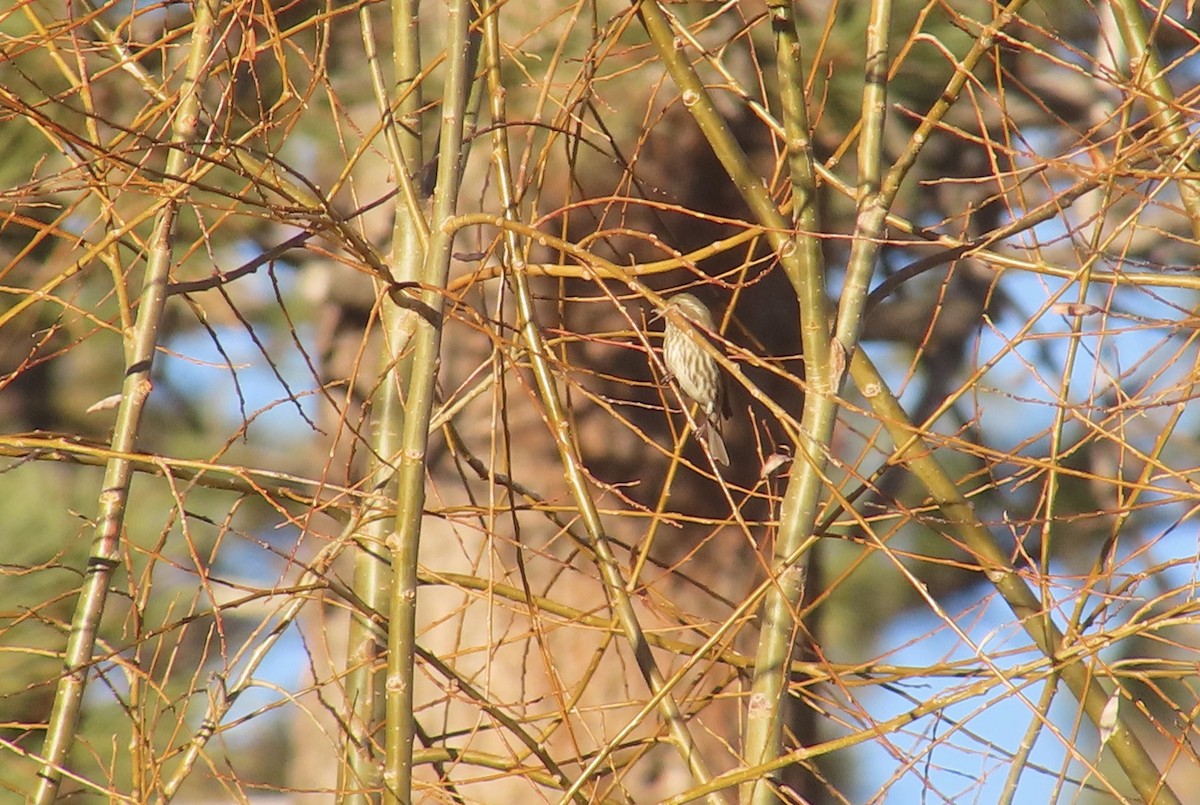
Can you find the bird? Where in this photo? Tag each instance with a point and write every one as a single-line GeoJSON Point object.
{"type": "Point", "coordinates": [697, 372]}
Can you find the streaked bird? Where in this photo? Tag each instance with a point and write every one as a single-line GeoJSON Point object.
{"type": "Point", "coordinates": [697, 373]}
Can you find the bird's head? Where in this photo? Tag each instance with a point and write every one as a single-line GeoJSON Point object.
{"type": "Point", "coordinates": [691, 309]}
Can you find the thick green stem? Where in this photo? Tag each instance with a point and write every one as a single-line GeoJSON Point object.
{"type": "Point", "coordinates": [959, 514]}
{"type": "Point", "coordinates": [418, 405]}
{"type": "Point", "coordinates": [1147, 73]}
{"type": "Point", "coordinates": [361, 772]}
{"type": "Point", "coordinates": [598, 541]}
{"type": "Point", "coordinates": [139, 358]}
{"type": "Point", "coordinates": [872, 201]}
{"type": "Point", "coordinates": [799, 257]}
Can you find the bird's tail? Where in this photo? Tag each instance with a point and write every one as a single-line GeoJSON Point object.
{"type": "Point", "coordinates": [716, 444]}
